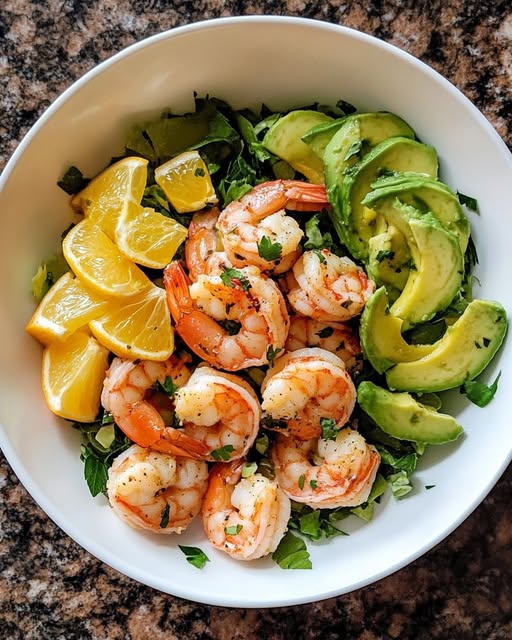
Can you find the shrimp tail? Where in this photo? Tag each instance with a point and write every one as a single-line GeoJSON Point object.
{"type": "Point", "coordinates": [222, 478]}
{"type": "Point", "coordinates": [304, 196]}
{"type": "Point", "coordinates": [176, 283]}
{"type": "Point", "coordinates": [198, 330]}
{"type": "Point", "coordinates": [177, 443]}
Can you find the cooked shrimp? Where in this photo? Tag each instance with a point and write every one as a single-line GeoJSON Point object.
{"type": "Point", "coordinates": [204, 252]}
{"type": "Point", "coordinates": [326, 474]}
{"type": "Point", "coordinates": [219, 409]}
{"type": "Point", "coordinates": [124, 394]}
{"type": "Point", "coordinates": [259, 217]}
{"type": "Point", "coordinates": [245, 517]}
{"type": "Point", "coordinates": [329, 288]}
{"type": "Point", "coordinates": [303, 389]}
{"type": "Point", "coordinates": [337, 337]}
{"type": "Point", "coordinates": [250, 305]}
{"type": "Point", "coordinates": [156, 491]}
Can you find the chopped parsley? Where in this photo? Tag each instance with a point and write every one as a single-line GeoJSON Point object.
{"type": "Point", "coordinates": [223, 453]}
{"type": "Point", "coordinates": [233, 530]}
{"type": "Point", "coordinates": [272, 354]}
{"type": "Point", "coordinates": [468, 201]}
{"type": "Point", "coordinates": [329, 428]}
{"type": "Point", "coordinates": [234, 278]}
{"type": "Point", "coordinates": [269, 250]}
{"type": "Point", "coordinates": [291, 553]}
{"type": "Point", "coordinates": [195, 556]}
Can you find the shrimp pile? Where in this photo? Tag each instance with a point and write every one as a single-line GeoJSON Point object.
{"type": "Point", "coordinates": [282, 318]}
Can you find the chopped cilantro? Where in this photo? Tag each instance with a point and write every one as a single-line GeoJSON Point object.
{"type": "Point", "coordinates": [301, 481]}
{"type": "Point", "coordinates": [384, 254]}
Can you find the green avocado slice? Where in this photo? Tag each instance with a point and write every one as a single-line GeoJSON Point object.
{"type": "Point", "coordinates": [437, 267]}
{"type": "Point", "coordinates": [354, 221]}
{"type": "Point", "coordinates": [283, 139]}
{"type": "Point", "coordinates": [389, 260]}
{"type": "Point", "coordinates": [424, 194]}
{"type": "Point", "coordinates": [401, 416]}
{"type": "Point", "coordinates": [461, 354]}
{"type": "Point", "coordinates": [381, 335]}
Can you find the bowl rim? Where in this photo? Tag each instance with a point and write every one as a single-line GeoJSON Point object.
{"type": "Point", "coordinates": [22, 472]}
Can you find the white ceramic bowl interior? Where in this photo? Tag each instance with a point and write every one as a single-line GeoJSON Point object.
{"type": "Point", "coordinates": [300, 61]}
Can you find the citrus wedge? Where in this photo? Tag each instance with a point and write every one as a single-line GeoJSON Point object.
{"type": "Point", "coordinates": [97, 261]}
{"type": "Point", "coordinates": [73, 372]}
{"type": "Point", "coordinates": [147, 237]}
{"type": "Point", "coordinates": [103, 198]}
{"type": "Point", "coordinates": [67, 306]}
{"type": "Point", "coordinates": [186, 182]}
{"type": "Point", "coordinates": [139, 328]}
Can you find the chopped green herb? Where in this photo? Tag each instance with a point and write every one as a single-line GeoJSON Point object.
{"type": "Point", "coordinates": [479, 393]}
{"type": "Point", "coordinates": [234, 278]}
{"type": "Point", "coordinates": [326, 332]}
{"type": "Point", "coordinates": [300, 481]}
{"type": "Point", "coordinates": [168, 386]}
{"type": "Point", "coordinates": [199, 172]}
{"type": "Point", "coordinates": [292, 553]}
{"type": "Point", "coordinates": [195, 556]}
{"type": "Point", "coordinates": [234, 530]}
{"type": "Point", "coordinates": [468, 201]}
{"type": "Point", "coordinates": [272, 354]}
{"type": "Point", "coordinates": [72, 181]}
{"type": "Point", "coordinates": [320, 256]}
{"type": "Point", "coordinates": [329, 428]}
{"type": "Point", "coordinates": [429, 486]}
{"type": "Point", "coordinates": [164, 518]}
{"type": "Point", "coordinates": [95, 472]}
{"type": "Point", "coordinates": [269, 250]}
{"type": "Point", "coordinates": [315, 238]}
{"type": "Point", "coordinates": [313, 484]}
{"type": "Point", "coordinates": [223, 453]}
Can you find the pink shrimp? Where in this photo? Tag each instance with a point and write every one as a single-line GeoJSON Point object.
{"type": "Point", "coordinates": [204, 253]}
{"type": "Point", "coordinates": [245, 298]}
{"type": "Point", "coordinates": [326, 474]}
{"type": "Point", "coordinates": [256, 230]}
{"type": "Point", "coordinates": [245, 517]}
{"type": "Point", "coordinates": [125, 396]}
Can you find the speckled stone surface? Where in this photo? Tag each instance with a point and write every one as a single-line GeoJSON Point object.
{"type": "Point", "coordinates": [52, 589]}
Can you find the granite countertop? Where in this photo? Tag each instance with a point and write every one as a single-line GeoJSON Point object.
{"type": "Point", "coordinates": [50, 588]}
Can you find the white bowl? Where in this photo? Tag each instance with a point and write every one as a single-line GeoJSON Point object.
{"type": "Point", "coordinates": [282, 62]}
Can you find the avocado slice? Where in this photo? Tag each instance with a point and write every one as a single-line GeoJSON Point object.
{"type": "Point", "coordinates": [425, 194]}
{"type": "Point", "coordinates": [461, 354]}
{"type": "Point", "coordinates": [283, 139]}
{"type": "Point", "coordinates": [355, 222]}
{"type": "Point", "coordinates": [320, 135]}
{"type": "Point", "coordinates": [437, 265]}
{"type": "Point", "coordinates": [381, 335]}
{"type": "Point", "coordinates": [389, 259]}
{"type": "Point", "coordinates": [401, 416]}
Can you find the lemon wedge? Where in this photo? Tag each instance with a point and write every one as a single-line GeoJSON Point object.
{"type": "Point", "coordinates": [148, 237]}
{"type": "Point", "coordinates": [139, 328]}
{"type": "Point", "coordinates": [104, 197]}
{"type": "Point", "coordinates": [67, 307]}
{"type": "Point", "coordinates": [73, 372]}
{"type": "Point", "coordinates": [99, 263]}
{"type": "Point", "coordinates": [186, 182]}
